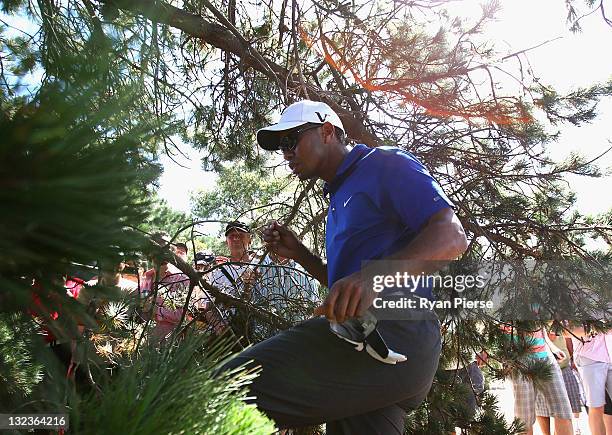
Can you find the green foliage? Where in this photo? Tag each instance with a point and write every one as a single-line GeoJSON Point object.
{"type": "Point", "coordinates": [76, 174]}
{"type": "Point", "coordinates": [79, 157]}
{"type": "Point", "coordinates": [165, 219]}
{"type": "Point", "coordinates": [76, 178]}
{"type": "Point", "coordinates": [19, 51]}
{"type": "Point", "coordinates": [491, 421]}
{"type": "Point", "coordinates": [239, 193]}
{"type": "Point", "coordinates": [445, 408]}
{"type": "Point", "coordinates": [577, 107]}
{"type": "Point", "coordinates": [69, 179]}
{"type": "Point", "coordinates": [576, 13]}
{"type": "Point", "coordinates": [172, 391]}
{"type": "Point", "coordinates": [19, 370]}
{"type": "Point", "coordinates": [226, 128]}
{"type": "Point", "coordinates": [215, 244]}
{"type": "Point", "coordinates": [11, 6]}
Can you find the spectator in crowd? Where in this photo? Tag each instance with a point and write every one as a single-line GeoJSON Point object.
{"type": "Point", "coordinates": [593, 357]}
{"type": "Point", "coordinates": [284, 287]}
{"type": "Point", "coordinates": [113, 277]}
{"type": "Point", "coordinates": [208, 315]}
{"type": "Point", "coordinates": [204, 260]}
{"type": "Point", "coordinates": [572, 388]}
{"type": "Point", "coordinates": [553, 390]}
{"type": "Point", "coordinates": [166, 269]}
{"type": "Point", "coordinates": [180, 249]}
{"type": "Point", "coordinates": [148, 277]}
{"type": "Point", "coordinates": [172, 292]}
{"type": "Point", "coordinates": [236, 277]}
{"type": "Point", "coordinates": [46, 309]}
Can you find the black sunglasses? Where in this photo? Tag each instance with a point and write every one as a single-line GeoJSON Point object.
{"type": "Point", "coordinates": [290, 141]}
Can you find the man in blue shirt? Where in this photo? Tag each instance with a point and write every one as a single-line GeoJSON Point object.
{"type": "Point", "coordinates": [384, 205]}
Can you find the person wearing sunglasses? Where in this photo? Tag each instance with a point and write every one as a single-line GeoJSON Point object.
{"type": "Point", "coordinates": [354, 368]}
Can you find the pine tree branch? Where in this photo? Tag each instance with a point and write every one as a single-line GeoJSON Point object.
{"type": "Point", "coordinates": [221, 37]}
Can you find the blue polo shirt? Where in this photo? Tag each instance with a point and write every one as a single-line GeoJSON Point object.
{"type": "Point", "coordinates": [379, 200]}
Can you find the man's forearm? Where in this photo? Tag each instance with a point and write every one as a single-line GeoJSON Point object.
{"type": "Point", "coordinates": [435, 246]}
{"type": "Point", "coordinates": [313, 265]}
{"type": "Point", "coordinates": [553, 347]}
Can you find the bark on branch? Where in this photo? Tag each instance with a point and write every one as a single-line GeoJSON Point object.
{"type": "Point", "coordinates": [222, 38]}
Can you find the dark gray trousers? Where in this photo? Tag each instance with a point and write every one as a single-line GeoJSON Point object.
{"type": "Point", "coordinates": [310, 376]}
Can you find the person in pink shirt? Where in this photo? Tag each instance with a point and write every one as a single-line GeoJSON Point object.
{"type": "Point", "coordinates": [552, 391]}
{"type": "Point", "coordinates": [172, 292]}
{"type": "Point", "coordinates": [173, 287]}
{"type": "Point", "coordinates": [593, 357]}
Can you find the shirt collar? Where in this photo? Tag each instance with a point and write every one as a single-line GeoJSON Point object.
{"type": "Point", "coordinates": [346, 167]}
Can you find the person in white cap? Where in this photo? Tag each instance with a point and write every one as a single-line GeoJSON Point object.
{"type": "Point", "coordinates": [236, 277]}
{"type": "Point", "coordinates": [383, 205]}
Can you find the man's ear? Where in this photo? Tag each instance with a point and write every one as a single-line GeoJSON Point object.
{"type": "Point", "coordinates": [328, 132]}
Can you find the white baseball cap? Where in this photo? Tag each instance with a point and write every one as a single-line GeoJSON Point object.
{"type": "Point", "coordinates": [297, 114]}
